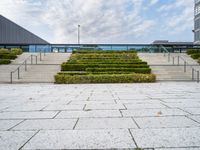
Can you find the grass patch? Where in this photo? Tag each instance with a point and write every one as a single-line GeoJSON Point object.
{"type": "Point", "coordinates": [195, 54]}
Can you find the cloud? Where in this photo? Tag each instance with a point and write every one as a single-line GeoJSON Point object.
{"type": "Point", "coordinates": [102, 21]}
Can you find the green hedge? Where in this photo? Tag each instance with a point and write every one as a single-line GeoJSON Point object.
{"type": "Point", "coordinates": [193, 51]}
{"type": "Point", "coordinates": [5, 61]}
{"type": "Point", "coordinates": [199, 60]}
{"type": "Point", "coordinates": [103, 51]}
{"type": "Point", "coordinates": [4, 51]}
{"type": "Point", "coordinates": [83, 67]}
{"type": "Point", "coordinates": [8, 56]}
{"type": "Point", "coordinates": [135, 70]}
{"type": "Point", "coordinates": [195, 56]}
{"type": "Point", "coordinates": [16, 51]}
{"type": "Point", "coordinates": [122, 78]}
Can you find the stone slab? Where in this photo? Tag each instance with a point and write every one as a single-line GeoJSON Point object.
{"type": "Point", "coordinates": [13, 140]}
{"type": "Point", "coordinates": [7, 124]}
{"type": "Point", "coordinates": [64, 107]}
{"type": "Point", "coordinates": [89, 114]}
{"type": "Point", "coordinates": [194, 111]}
{"type": "Point", "coordinates": [153, 112]}
{"type": "Point", "coordinates": [105, 123]}
{"type": "Point", "coordinates": [28, 115]}
{"type": "Point", "coordinates": [165, 122]}
{"type": "Point", "coordinates": [167, 138]}
{"type": "Point", "coordinates": [144, 105]}
{"type": "Point", "coordinates": [104, 106]}
{"type": "Point", "coordinates": [47, 124]}
{"type": "Point", "coordinates": [81, 139]}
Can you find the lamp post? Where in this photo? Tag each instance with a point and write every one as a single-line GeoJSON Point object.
{"type": "Point", "coordinates": [79, 34]}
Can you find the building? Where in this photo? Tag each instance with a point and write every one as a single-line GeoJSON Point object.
{"type": "Point", "coordinates": [13, 35]}
{"type": "Point", "coordinates": [197, 22]}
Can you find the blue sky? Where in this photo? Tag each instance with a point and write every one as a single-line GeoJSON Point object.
{"type": "Point", "coordinates": [104, 21]}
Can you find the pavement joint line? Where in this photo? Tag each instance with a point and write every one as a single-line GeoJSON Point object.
{"type": "Point", "coordinates": [135, 123]}
{"type": "Point", "coordinates": [192, 119]}
{"type": "Point", "coordinates": [76, 124]}
{"type": "Point", "coordinates": [132, 138]}
{"type": "Point", "coordinates": [185, 111]}
{"type": "Point", "coordinates": [56, 114]}
{"type": "Point", "coordinates": [165, 105]}
{"type": "Point", "coordinates": [29, 139]}
{"type": "Point", "coordinates": [16, 125]}
{"type": "Point", "coordinates": [44, 107]}
{"type": "Point", "coordinates": [84, 107]}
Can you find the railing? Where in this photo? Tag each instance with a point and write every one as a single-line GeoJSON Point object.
{"type": "Point", "coordinates": [185, 64]}
{"type": "Point", "coordinates": [25, 63]}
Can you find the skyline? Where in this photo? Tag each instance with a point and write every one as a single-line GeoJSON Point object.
{"type": "Point", "coordinates": [111, 21]}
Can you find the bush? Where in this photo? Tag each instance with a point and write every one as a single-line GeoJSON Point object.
{"type": "Point", "coordinates": [103, 51]}
{"type": "Point", "coordinates": [16, 51]}
{"type": "Point", "coordinates": [8, 56]}
{"type": "Point", "coordinates": [4, 51]}
{"type": "Point", "coordinates": [195, 56]}
{"type": "Point", "coordinates": [5, 61]}
{"type": "Point", "coordinates": [122, 78]}
{"type": "Point", "coordinates": [193, 51]}
{"type": "Point", "coordinates": [135, 70]}
{"type": "Point", "coordinates": [83, 67]}
{"type": "Point", "coordinates": [199, 60]}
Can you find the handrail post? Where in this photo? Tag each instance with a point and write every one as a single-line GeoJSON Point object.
{"type": "Point", "coordinates": [173, 60]}
{"type": "Point", "coordinates": [18, 72]}
{"type": "Point", "coordinates": [11, 77]}
{"type": "Point", "coordinates": [184, 66]}
{"type": "Point", "coordinates": [36, 59]}
{"type": "Point", "coordinates": [178, 60]}
{"type": "Point", "coordinates": [168, 57]}
{"type": "Point", "coordinates": [25, 65]}
{"type": "Point", "coordinates": [40, 56]}
{"type": "Point", "coordinates": [192, 74]}
{"type": "Point", "coordinates": [197, 76]}
{"type": "Point", "coordinates": [31, 59]}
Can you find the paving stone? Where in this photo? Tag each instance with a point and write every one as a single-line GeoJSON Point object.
{"type": "Point", "coordinates": [104, 106]}
{"type": "Point", "coordinates": [89, 114]}
{"type": "Point", "coordinates": [7, 124]}
{"type": "Point", "coordinates": [47, 124]}
{"type": "Point", "coordinates": [105, 123]}
{"type": "Point", "coordinates": [153, 112]}
{"type": "Point", "coordinates": [194, 111]}
{"type": "Point", "coordinates": [92, 102]}
{"type": "Point", "coordinates": [64, 107]}
{"type": "Point", "coordinates": [185, 105]}
{"type": "Point", "coordinates": [167, 137]}
{"type": "Point", "coordinates": [12, 140]}
{"type": "Point", "coordinates": [188, 148]}
{"type": "Point", "coordinates": [81, 139]}
{"type": "Point", "coordinates": [141, 106]}
{"type": "Point", "coordinates": [165, 122]}
{"type": "Point", "coordinates": [28, 115]}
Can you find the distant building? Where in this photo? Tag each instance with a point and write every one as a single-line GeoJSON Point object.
{"type": "Point", "coordinates": [197, 22]}
{"type": "Point", "coordinates": [11, 33]}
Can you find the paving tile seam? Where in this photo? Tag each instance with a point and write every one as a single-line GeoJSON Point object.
{"type": "Point", "coordinates": [193, 119]}
{"type": "Point", "coordinates": [16, 125]}
{"type": "Point", "coordinates": [75, 124]}
{"type": "Point", "coordinates": [132, 138]}
{"type": "Point", "coordinates": [29, 139]}
{"type": "Point", "coordinates": [136, 123]}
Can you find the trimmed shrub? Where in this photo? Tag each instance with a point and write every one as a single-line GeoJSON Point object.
{"type": "Point", "coordinates": [195, 56]}
{"type": "Point", "coordinates": [16, 51]}
{"type": "Point", "coordinates": [135, 70]}
{"type": "Point", "coordinates": [83, 67]}
{"type": "Point", "coordinates": [103, 51]}
{"type": "Point", "coordinates": [199, 60]}
{"type": "Point", "coordinates": [122, 78]}
{"type": "Point", "coordinates": [4, 51]}
{"type": "Point", "coordinates": [5, 61]}
{"type": "Point", "coordinates": [8, 56]}
{"type": "Point", "coordinates": [193, 51]}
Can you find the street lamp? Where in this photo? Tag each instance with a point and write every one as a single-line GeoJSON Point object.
{"type": "Point", "coordinates": [79, 34]}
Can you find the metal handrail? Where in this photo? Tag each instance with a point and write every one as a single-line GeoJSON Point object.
{"type": "Point", "coordinates": [185, 64]}
{"type": "Point", "coordinates": [25, 63]}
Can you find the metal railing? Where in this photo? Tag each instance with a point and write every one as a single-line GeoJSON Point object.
{"type": "Point", "coordinates": [25, 64]}
{"type": "Point", "coordinates": [185, 64]}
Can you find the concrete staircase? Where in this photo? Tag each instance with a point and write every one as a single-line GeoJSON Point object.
{"type": "Point", "coordinates": [42, 72]}
{"type": "Point", "coordinates": [167, 71]}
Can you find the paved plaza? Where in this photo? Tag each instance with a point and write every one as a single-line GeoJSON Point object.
{"type": "Point", "coordinates": [157, 116]}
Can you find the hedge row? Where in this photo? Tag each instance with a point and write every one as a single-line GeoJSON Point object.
{"type": "Point", "coordinates": [13, 51]}
{"type": "Point", "coordinates": [8, 56]}
{"type": "Point", "coordinates": [195, 56]}
{"type": "Point", "coordinates": [5, 61]}
{"type": "Point", "coordinates": [102, 51]}
{"type": "Point", "coordinates": [83, 67]}
{"type": "Point", "coordinates": [119, 78]}
{"type": "Point", "coordinates": [135, 70]}
{"type": "Point", "coordinates": [193, 51]}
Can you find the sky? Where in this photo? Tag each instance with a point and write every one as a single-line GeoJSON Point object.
{"type": "Point", "coordinates": [103, 21]}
